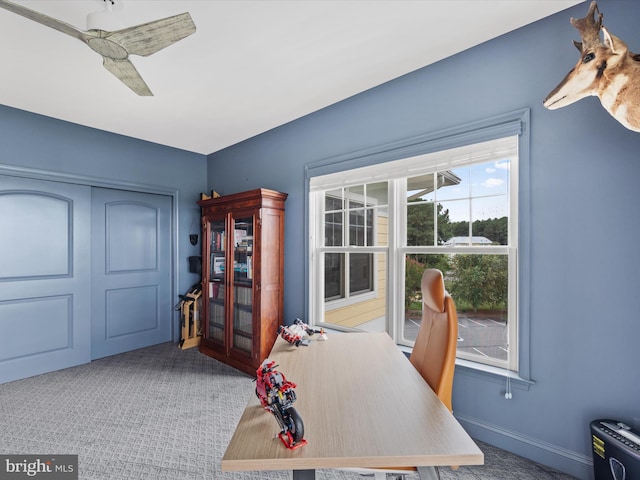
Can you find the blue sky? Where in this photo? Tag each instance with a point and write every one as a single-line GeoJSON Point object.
{"type": "Point", "coordinates": [483, 192]}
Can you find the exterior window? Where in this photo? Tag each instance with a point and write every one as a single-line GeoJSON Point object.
{"type": "Point", "coordinates": [352, 264]}
{"type": "Point", "coordinates": [455, 210]}
{"type": "Point", "coordinates": [458, 221]}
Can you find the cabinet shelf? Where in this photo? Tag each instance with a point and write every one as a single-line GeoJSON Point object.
{"type": "Point", "coordinates": [242, 333]}
{"type": "Point", "coordinates": [243, 266]}
{"type": "Point", "coordinates": [240, 306]}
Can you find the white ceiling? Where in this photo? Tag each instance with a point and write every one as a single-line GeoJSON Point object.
{"type": "Point", "coordinates": [250, 66]}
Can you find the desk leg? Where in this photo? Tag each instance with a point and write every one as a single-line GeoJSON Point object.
{"type": "Point", "coordinates": [304, 475]}
{"type": "Point", "coordinates": [429, 473]}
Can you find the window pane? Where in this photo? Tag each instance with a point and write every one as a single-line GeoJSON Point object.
{"type": "Point", "coordinates": [489, 178]}
{"type": "Point", "coordinates": [356, 227]}
{"type": "Point", "coordinates": [369, 226]}
{"type": "Point", "coordinates": [478, 286]}
{"type": "Point", "coordinates": [365, 208]}
{"type": "Point", "coordinates": [333, 276]}
{"type": "Point", "coordinates": [480, 197]}
{"type": "Point", "coordinates": [333, 200]}
{"type": "Point", "coordinates": [421, 188]}
{"type": "Point", "coordinates": [453, 184]}
{"type": "Point", "coordinates": [333, 229]}
{"type": "Point", "coordinates": [361, 227]}
{"type": "Point", "coordinates": [380, 229]}
{"type": "Point", "coordinates": [364, 310]}
{"type": "Point", "coordinates": [377, 194]}
{"type": "Point", "coordinates": [490, 217]}
{"type": "Point", "coordinates": [420, 226]}
{"type": "Point", "coordinates": [453, 223]}
{"type": "Point", "coordinates": [455, 211]}
{"type": "Point", "coordinates": [355, 195]}
{"type": "Point", "coordinates": [360, 273]}
{"type": "Point", "coordinates": [415, 265]}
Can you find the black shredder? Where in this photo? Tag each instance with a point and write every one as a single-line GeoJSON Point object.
{"type": "Point", "coordinates": [616, 450]}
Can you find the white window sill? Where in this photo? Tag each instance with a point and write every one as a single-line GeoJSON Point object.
{"type": "Point", "coordinates": [492, 374]}
{"type": "Point", "coordinates": [474, 369]}
{"type": "Point", "coordinates": [485, 372]}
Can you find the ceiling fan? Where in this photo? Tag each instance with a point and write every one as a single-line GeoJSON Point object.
{"type": "Point", "coordinates": [115, 47]}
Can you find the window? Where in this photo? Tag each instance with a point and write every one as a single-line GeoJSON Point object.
{"type": "Point", "coordinates": [351, 261]}
{"type": "Point", "coordinates": [454, 209]}
{"type": "Point", "coordinates": [462, 219]}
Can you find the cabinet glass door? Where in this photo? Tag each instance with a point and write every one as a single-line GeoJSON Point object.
{"type": "Point", "coordinates": [217, 267]}
{"type": "Point", "coordinates": [243, 283]}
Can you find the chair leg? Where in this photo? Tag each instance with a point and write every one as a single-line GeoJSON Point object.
{"type": "Point", "coordinates": [429, 473]}
{"type": "Point", "coordinates": [384, 476]}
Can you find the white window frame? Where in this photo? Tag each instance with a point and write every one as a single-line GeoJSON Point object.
{"type": "Point", "coordinates": [457, 159]}
{"type": "Point", "coordinates": [380, 163]}
{"type": "Point", "coordinates": [349, 298]}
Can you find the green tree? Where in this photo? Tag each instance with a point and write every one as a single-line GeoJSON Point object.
{"type": "Point", "coordinates": [480, 280]}
{"type": "Point", "coordinates": [412, 280]}
{"type": "Point", "coordinates": [420, 230]}
{"type": "Point", "coordinates": [420, 224]}
{"type": "Point", "coordinates": [495, 229]}
{"type": "Point", "coordinates": [415, 265]}
{"type": "Point", "coordinates": [420, 220]}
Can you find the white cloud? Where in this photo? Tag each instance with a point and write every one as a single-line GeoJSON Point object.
{"type": "Point", "coordinates": [502, 165]}
{"type": "Point", "coordinates": [492, 182]}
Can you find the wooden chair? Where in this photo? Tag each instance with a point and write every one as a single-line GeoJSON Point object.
{"type": "Point", "coordinates": [434, 352]}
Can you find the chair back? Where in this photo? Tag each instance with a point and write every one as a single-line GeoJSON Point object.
{"type": "Point", "coordinates": [434, 352]}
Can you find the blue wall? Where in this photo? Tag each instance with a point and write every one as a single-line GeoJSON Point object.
{"type": "Point", "coordinates": [32, 142]}
{"type": "Point", "coordinates": [583, 280]}
{"type": "Point", "coordinates": [583, 230]}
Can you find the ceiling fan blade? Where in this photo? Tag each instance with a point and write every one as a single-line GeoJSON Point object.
{"type": "Point", "coordinates": [127, 73]}
{"type": "Point", "coordinates": [44, 20]}
{"type": "Point", "coordinates": [150, 37]}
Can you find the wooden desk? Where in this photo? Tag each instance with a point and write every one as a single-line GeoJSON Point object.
{"type": "Point", "coordinates": [363, 405]}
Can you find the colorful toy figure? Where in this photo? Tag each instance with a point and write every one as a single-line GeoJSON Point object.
{"type": "Point", "coordinates": [299, 324]}
{"type": "Point", "coordinates": [292, 336]}
{"type": "Point", "coordinates": [276, 394]}
{"type": "Point", "coordinates": [296, 333]}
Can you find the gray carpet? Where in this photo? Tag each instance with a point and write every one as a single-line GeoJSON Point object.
{"type": "Point", "coordinates": [163, 413]}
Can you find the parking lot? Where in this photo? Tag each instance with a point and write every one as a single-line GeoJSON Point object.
{"type": "Point", "coordinates": [478, 334]}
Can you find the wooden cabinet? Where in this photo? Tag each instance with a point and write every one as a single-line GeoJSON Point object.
{"type": "Point", "coordinates": [242, 276]}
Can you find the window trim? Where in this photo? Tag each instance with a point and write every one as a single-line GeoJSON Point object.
{"type": "Point", "coordinates": [503, 125]}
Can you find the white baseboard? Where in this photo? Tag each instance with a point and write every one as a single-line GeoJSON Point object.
{"type": "Point", "coordinates": [539, 451]}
